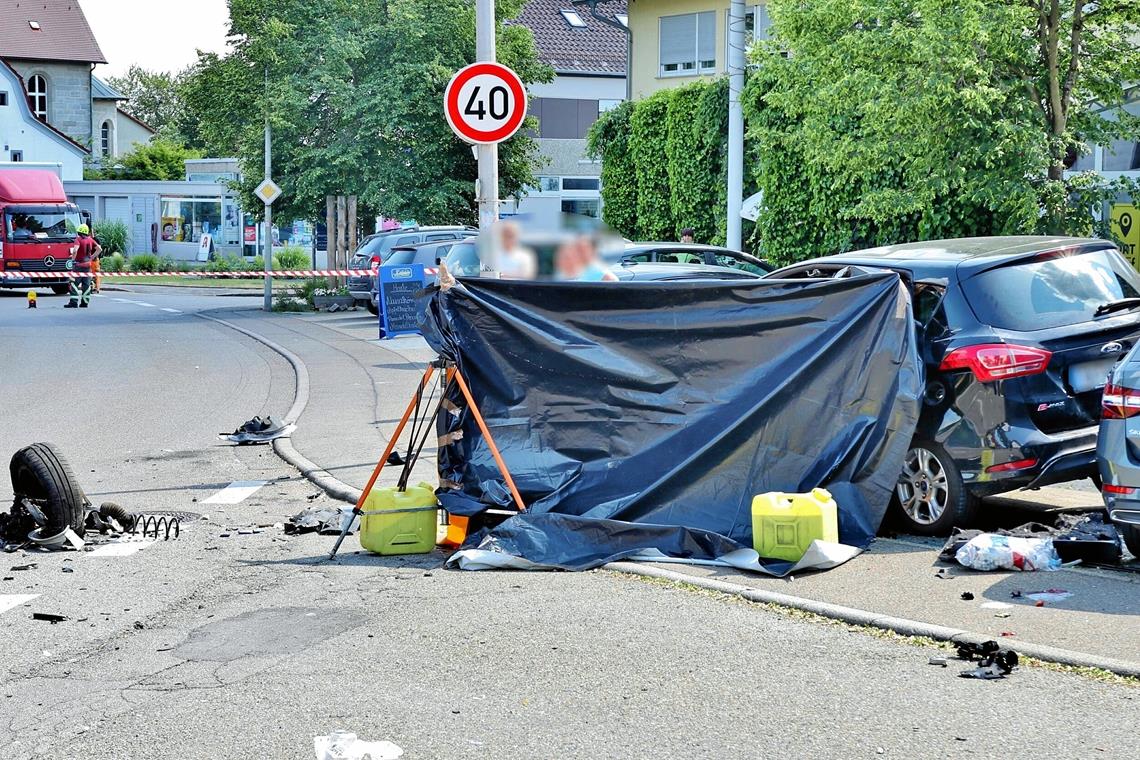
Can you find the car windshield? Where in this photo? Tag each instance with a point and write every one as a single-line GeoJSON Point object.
{"type": "Point", "coordinates": [1054, 292]}
{"type": "Point", "coordinates": [463, 260]}
{"type": "Point", "coordinates": [41, 224]}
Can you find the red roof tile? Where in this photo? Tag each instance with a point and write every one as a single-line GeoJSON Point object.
{"type": "Point", "coordinates": [596, 48]}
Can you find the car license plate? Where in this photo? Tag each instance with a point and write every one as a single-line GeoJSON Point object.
{"type": "Point", "coordinates": [1089, 376]}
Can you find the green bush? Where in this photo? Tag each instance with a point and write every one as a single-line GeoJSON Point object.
{"type": "Point", "coordinates": [228, 263]}
{"type": "Point", "coordinates": [609, 141]}
{"type": "Point", "coordinates": [166, 264]}
{"type": "Point", "coordinates": [256, 264]}
{"type": "Point", "coordinates": [114, 236]}
{"type": "Point", "coordinates": [651, 167]}
{"type": "Point", "coordinates": [116, 262]}
{"type": "Point", "coordinates": [308, 288]}
{"type": "Point", "coordinates": [292, 257]}
{"type": "Point", "coordinates": [144, 262]}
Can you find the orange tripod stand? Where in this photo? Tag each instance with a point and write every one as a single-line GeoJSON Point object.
{"type": "Point", "coordinates": [451, 374]}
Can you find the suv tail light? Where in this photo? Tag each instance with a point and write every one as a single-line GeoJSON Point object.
{"type": "Point", "coordinates": [1120, 403]}
{"type": "Point", "coordinates": [998, 361]}
{"type": "Point", "coordinates": [374, 261]}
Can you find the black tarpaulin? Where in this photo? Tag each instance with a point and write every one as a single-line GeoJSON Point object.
{"type": "Point", "coordinates": [645, 416]}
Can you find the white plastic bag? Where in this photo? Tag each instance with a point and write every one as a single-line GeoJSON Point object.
{"type": "Point", "coordinates": [344, 745]}
{"type": "Point", "coordinates": [990, 551]}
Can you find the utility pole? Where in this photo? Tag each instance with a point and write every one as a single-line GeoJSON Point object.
{"type": "Point", "coordinates": [736, 43]}
{"type": "Point", "coordinates": [487, 188]}
{"type": "Point", "coordinates": [268, 216]}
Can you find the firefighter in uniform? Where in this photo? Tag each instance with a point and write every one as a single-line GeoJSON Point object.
{"type": "Point", "coordinates": [86, 252]}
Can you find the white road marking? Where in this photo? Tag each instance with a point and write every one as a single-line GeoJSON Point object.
{"type": "Point", "coordinates": [144, 303]}
{"type": "Point", "coordinates": [172, 311]}
{"type": "Point", "coordinates": [122, 300]}
{"type": "Point", "coordinates": [121, 548]}
{"type": "Point", "coordinates": [236, 492]}
{"type": "Point", "coordinates": [10, 601]}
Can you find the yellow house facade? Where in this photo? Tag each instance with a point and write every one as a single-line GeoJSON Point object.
{"type": "Point", "coordinates": [676, 42]}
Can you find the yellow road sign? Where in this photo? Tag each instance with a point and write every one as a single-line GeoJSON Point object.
{"type": "Point", "coordinates": [1126, 226]}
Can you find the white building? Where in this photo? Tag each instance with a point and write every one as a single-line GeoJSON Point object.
{"type": "Point", "coordinates": [26, 139]}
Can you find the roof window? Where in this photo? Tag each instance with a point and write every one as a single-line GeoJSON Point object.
{"type": "Point", "coordinates": [573, 19]}
{"type": "Point", "coordinates": [623, 19]}
{"type": "Point", "coordinates": [35, 25]}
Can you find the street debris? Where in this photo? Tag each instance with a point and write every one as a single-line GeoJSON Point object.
{"type": "Point", "coordinates": [943, 661]}
{"type": "Point", "coordinates": [990, 551]}
{"type": "Point", "coordinates": [48, 506]}
{"type": "Point", "coordinates": [258, 430]}
{"type": "Point", "coordinates": [993, 662]}
{"type": "Point", "coordinates": [48, 617]}
{"type": "Point", "coordinates": [344, 745]}
{"type": "Point", "coordinates": [967, 596]}
{"type": "Point", "coordinates": [1051, 595]}
{"type": "Point", "coordinates": [1073, 539]}
{"type": "Point", "coordinates": [323, 520]}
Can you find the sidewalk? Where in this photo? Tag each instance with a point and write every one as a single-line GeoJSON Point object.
{"type": "Point", "coordinates": [360, 386]}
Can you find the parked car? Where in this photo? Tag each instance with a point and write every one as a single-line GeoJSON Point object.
{"type": "Point", "coordinates": [1017, 335]}
{"type": "Point", "coordinates": [375, 249]}
{"type": "Point", "coordinates": [690, 253]}
{"type": "Point", "coordinates": [428, 254]}
{"type": "Point", "coordinates": [463, 261]}
{"type": "Point", "coordinates": [1118, 448]}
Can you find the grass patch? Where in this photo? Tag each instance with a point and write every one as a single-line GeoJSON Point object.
{"type": "Point", "coordinates": [1095, 674]}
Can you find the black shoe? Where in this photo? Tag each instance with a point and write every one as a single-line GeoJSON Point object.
{"type": "Point", "coordinates": [83, 305]}
{"type": "Point", "coordinates": [70, 305]}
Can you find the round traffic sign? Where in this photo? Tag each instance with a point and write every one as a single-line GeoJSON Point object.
{"type": "Point", "coordinates": [485, 103]}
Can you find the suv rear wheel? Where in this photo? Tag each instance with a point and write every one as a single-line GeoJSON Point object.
{"type": "Point", "coordinates": [930, 497]}
{"type": "Point", "coordinates": [1131, 536]}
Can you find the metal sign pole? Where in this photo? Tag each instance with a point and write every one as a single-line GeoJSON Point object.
{"type": "Point", "coordinates": [487, 189]}
{"type": "Point", "coordinates": [268, 224]}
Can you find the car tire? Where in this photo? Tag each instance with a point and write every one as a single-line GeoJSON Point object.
{"type": "Point", "coordinates": [41, 475]}
{"type": "Point", "coordinates": [60, 290]}
{"type": "Point", "coordinates": [373, 308]}
{"type": "Point", "coordinates": [930, 497]}
{"type": "Point", "coordinates": [1131, 536]}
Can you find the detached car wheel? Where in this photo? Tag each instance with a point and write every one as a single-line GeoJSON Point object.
{"type": "Point", "coordinates": [41, 475]}
{"type": "Point", "coordinates": [930, 497]}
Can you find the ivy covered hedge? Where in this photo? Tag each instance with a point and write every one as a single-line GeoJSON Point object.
{"type": "Point", "coordinates": [664, 163]}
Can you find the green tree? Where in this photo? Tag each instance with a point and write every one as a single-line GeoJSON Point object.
{"type": "Point", "coordinates": [354, 92]}
{"type": "Point", "coordinates": [899, 120]}
{"type": "Point", "coordinates": [160, 159]}
{"type": "Point", "coordinates": [153, 98]}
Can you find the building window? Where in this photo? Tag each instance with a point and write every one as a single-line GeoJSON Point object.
{"type": "Point", "coordinates": [17, 156]}
{"type": "Point", "coordinates": [688, 44]}
{"type": "Point", "coordinates": [106, 139]}
{"type": "Point", "coordinates": [185, 219]}
{"type": "Point", "coordinates": [37, 96]}
{"type": "Point", "coordinates": [548, 185]}
{"type": "Point", "coordinates": [757, 26]}
{"type": "Point", "coordinates": [573, 19]}
{"type": "Point", "coordinates": [581, 183]}
{"type": "Point", "coordinates": [3, 98]}
{"type": "Point", "coordinates": [583, 206]}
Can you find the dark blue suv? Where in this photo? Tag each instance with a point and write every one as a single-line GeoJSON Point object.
{"type": "Point", "coordinates": [1018, 335]}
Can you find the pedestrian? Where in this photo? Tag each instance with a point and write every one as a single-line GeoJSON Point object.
{"type": "Point", "coordinates": [513, 260]}
{"type": "Point", "coordinates": [86, 252]}
{"type": "Point", "coordinates": [688, 235]}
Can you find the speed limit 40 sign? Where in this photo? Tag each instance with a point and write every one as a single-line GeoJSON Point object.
{"type": "Point", "coordinates": [485, 103]}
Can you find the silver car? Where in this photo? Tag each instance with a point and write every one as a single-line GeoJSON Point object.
{"type": "Point", "coordinates": [1118, 448]}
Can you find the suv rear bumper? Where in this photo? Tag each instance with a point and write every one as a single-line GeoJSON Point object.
{"type": "Point", "coordinates": [1060, 458]}
{"type": "Point", "coordinates": [360, 288]}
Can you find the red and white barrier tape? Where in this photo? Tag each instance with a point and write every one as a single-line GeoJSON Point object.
{"type": "Point", "coordinates": [16, 274]}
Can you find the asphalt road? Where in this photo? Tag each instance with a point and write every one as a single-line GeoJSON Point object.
{"type": "Point", "coordinates": [227, 643]}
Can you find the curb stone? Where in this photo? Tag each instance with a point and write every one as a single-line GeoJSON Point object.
{"type": "Point", "coordinates": [901, 626]}
{"type": "Point", "coordinates": [337, 489]}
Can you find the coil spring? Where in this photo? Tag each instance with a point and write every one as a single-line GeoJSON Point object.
{"type": "Point", "coordinates": [152, 525]}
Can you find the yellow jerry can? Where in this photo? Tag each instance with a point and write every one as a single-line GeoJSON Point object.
{"type": "Point", "coordinates": [785, 524]}
{"type": "Point", "coordinates": [399, 522]}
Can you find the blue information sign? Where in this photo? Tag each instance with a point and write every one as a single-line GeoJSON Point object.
{"type": "Point", "coordinates": [399, 287]}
